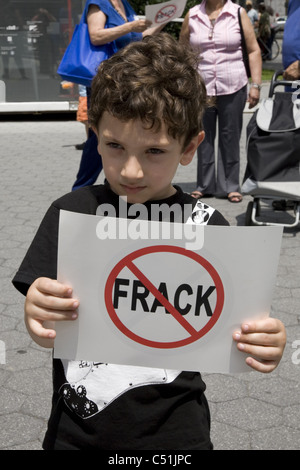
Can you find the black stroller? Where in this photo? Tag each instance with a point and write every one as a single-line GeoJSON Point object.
{"type": "Point", "coordinates": [273, 158]}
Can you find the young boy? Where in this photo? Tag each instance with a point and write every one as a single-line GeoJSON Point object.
{"type": "Point", "coordinates": [146, 109]}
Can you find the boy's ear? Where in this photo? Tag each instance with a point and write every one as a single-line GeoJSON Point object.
{"type": "Point", "coordinates": [94, 129]}
{"type": "Point", "coordinates": [190, 150]}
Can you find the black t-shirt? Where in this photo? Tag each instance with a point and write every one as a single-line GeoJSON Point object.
{"type": "Point", "coordinates": [113, 407]}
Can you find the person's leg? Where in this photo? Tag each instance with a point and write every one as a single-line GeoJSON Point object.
{"type": "Point", "coordinates": [206, 154]}
{"type": "Point", "coordinates": [91, 162]}
{"type": "Point", "coordinates": [230, 108]}
{"type": "Point", "coordinates": [90, 165]}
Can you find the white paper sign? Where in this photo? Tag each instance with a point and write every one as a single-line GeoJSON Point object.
{"type": "Point", "coordinates": [153, 302]}
{"type": "Point", "coordinates": [162, 13]}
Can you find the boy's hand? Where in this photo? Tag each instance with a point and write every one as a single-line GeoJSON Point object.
{"type": "Point", "coordinates": [264, 340]}
{"type": "Point", "coordinates": [48, 301]}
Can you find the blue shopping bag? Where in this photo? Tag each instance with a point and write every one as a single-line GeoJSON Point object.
{"type": "Point", "coordinates": [81, 58]}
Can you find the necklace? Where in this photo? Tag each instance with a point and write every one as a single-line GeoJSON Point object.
{"type": "Point", "coordinates": [211, 29]}
{"type": "Point", "coordinates": [212, 16]}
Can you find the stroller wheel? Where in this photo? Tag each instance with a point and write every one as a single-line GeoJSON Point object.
{"type": "Point", "coordinates": [248, 219]}
{"type": "Point", "coordinates": [257, 206]}
{"type": "Point", "coordinates": [283, 205]}
{"type": "Point", "coordinates": [279, 205]}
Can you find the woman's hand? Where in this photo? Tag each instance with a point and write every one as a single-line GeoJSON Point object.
{"type": "Point", "coordinates": [139, 26]}
{"type": "Point", "coordinates": [253, 97]}
{"type": "Point", "coordinates": [292, 72]}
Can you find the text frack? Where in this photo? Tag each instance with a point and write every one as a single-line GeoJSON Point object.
{"type": "Point", "coordinates": [138, 295]}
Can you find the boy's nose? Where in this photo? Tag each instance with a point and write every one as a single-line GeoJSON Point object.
{"type": "Point", "coordinates": [132, 169]}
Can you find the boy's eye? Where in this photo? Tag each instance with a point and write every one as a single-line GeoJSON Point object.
{"type": "Point", "coordinates": [114, 145]}
{"type": "Point", "coordinates": [155, 151]}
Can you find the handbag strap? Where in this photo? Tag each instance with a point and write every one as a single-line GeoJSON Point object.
{"type": "Point", "coordinates": [241, 27]}
{"type": "Point", "coordinates": [83, 19]}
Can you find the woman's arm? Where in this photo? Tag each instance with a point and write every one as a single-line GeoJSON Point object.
{"type": "Point", "coordinates": [185, 30]}
{"type": "Point", "coordinates": [99, 35]}
{"type": "Point", "coordinates": [292, 72]}
{"type": "Point", "coordinates": [154, 30]}
{"type": "Point", "coordinates": [255, 61]}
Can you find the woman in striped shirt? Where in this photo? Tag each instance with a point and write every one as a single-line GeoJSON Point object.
{"type": "Point", "coordinates": [212, 27]}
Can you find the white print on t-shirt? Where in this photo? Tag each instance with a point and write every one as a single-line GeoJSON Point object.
{"type": "Point", "coordinates": [201, 214]}
{"type": "Point", "coordinates": [91, 386]}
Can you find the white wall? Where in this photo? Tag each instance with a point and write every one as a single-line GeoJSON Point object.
{"type": "Point", "coordinates": [277, 5]}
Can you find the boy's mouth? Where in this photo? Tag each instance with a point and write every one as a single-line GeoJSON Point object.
{"type": "Point", "coordinates": [132, 189]}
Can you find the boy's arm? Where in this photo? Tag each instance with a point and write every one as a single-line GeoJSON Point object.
{"type": "Point", "coordinates": [48, 301]}
{"type": "Point", "coordinates": [264, 340]}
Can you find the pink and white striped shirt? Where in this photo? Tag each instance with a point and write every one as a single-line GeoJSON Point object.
{"type": "Point", "coordinates": [222, 66]}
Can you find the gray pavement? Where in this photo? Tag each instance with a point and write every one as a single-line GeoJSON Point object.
{"type": "Point", "coordinates": [249, 411]}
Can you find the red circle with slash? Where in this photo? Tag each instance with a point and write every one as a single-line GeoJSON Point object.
{"type": "Point", "coordinates": [127, 262]}
{"type": "Point", "coordinates": [165, 13]}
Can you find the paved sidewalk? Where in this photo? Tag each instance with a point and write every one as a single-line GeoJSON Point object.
{"type": "Point", "coordinates": [38, 164]}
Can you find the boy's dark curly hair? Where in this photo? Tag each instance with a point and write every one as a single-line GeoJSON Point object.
{"type": "Point", "coordinates": [155, 80]}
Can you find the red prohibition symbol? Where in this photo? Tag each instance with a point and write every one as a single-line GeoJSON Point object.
{"type": "Point", "coordinates": [194, 335]}
{"type": "Point", "coordinates": [165, 13]}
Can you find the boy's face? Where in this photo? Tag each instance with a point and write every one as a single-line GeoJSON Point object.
{"type": "Point", "coordinates": [140, 163]}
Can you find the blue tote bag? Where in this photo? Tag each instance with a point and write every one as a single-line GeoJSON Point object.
{"type": "Point", "coordinates": [81, 58]}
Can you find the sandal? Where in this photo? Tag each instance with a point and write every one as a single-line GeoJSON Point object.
{"type": "Point", "coordinates": [197, 194]}
{"type": "Point", "coordinates": [235, 197]}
